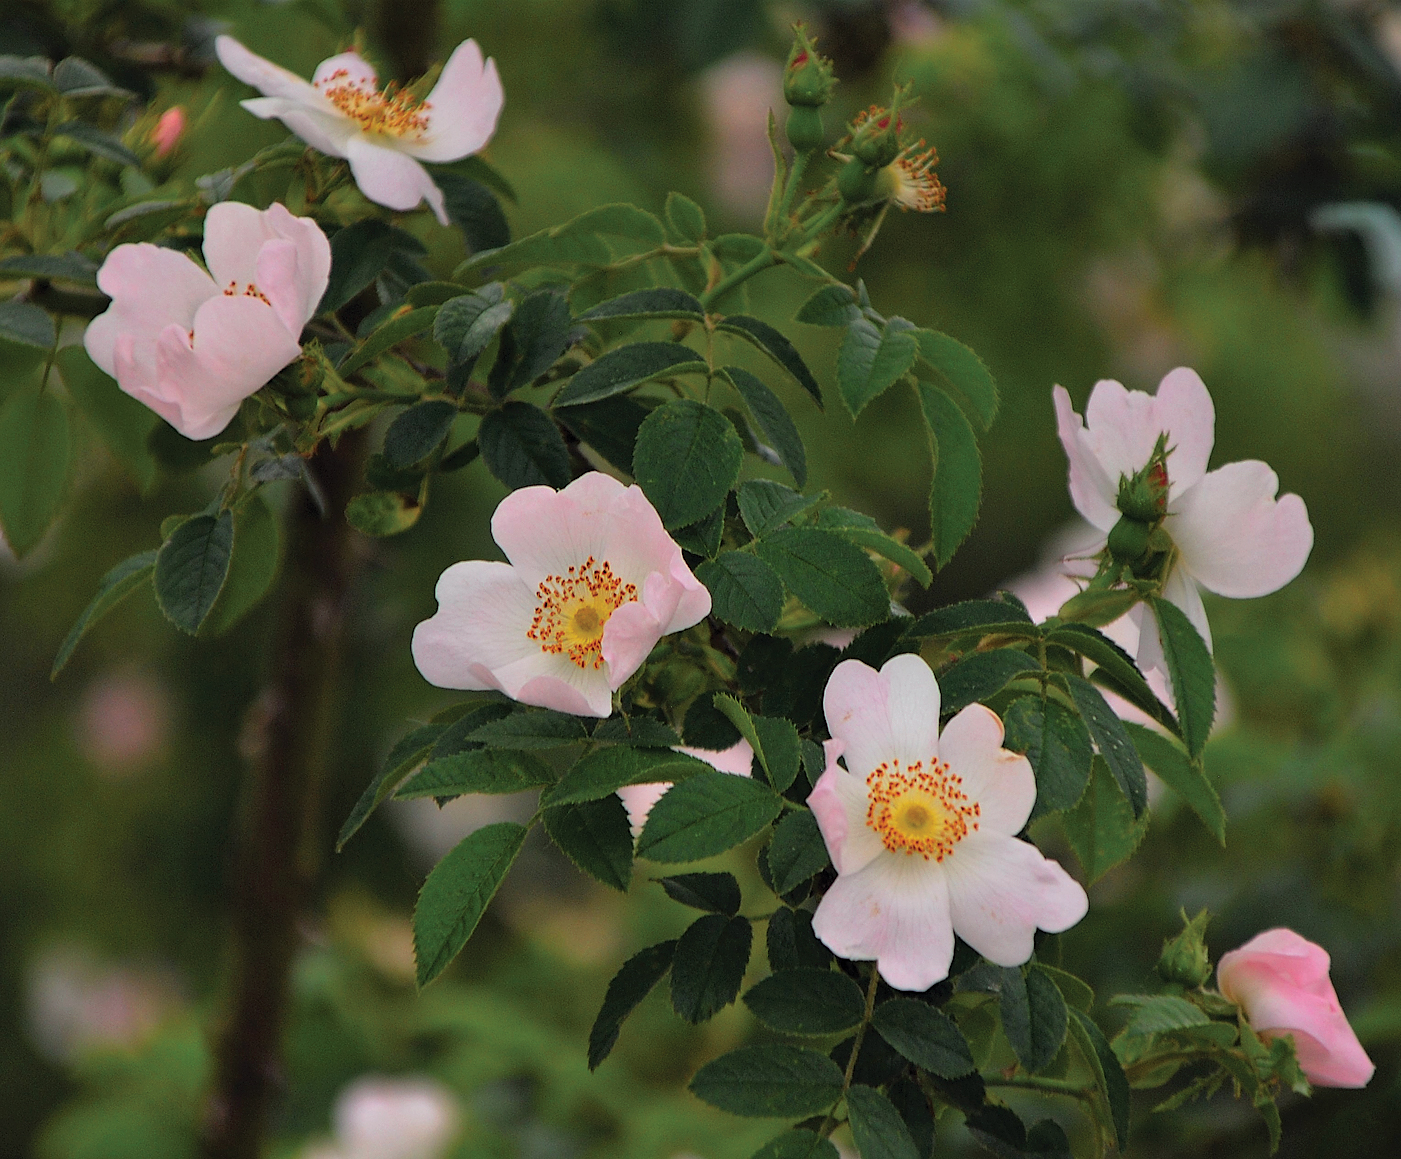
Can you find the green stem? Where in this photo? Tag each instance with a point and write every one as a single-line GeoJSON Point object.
{"type": "Point", "coordinates": [818, 225]}
{"type": "Point", "coordinates": [757, 264]}
{"type": "Point", "coordinates": [1048, 1086]}
{"type": "Point", "coordinates": [830, 1124]}
{"type": "Point", "coordinates": [790, 190]}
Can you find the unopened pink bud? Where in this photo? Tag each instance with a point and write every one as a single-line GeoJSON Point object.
{"type": "Point", "coordinates": [168, 130]}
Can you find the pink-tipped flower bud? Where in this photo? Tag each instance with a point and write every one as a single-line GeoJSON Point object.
{"type": "Point", "coordinates": [168, 130]}
{"type": "Point", "coordinates": [807, 78]}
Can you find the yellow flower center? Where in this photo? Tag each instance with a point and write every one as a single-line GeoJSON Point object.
{"type": "Point", "coordinates": [573, 609]}
{"type": "Point", "coordinates": [394, 112]}
{"type": "Point", "coordinates": [917, 811]}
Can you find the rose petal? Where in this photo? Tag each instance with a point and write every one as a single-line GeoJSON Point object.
{"type": "Point", "coordinates": [1091, 490]}
{"type": "Point", "coordinates": [1001, 782]}
{"type": "Point", "coordinates": [883, 716]}
{"type": "Point", "coordinates": [324, 129]}
{"type": "Point", "coordinates": [462, 108]}
{"type": "Point", "coordinates": [391, 178]}
{"type": "Point", "coordinates": [839, 802]}
{"type": "Point", "coordinates": [270, 79]}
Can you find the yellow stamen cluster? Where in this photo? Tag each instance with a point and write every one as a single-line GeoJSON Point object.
{"type": "Point", "coordinates": [919, 812]}
{"type": "Point", "coordinates": [573, 609]}
{"type": "Point", "coordinates": [394, 112]}
{"type": "Point", "coordinates": [916, 185]}
{"type": "Point", "coordinates": [249, 291]}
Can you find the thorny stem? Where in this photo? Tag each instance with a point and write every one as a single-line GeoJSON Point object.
{"type": "Point", "coordinates": [830, 1124]}
{"type": "Point", "coordinates": [279, 843]}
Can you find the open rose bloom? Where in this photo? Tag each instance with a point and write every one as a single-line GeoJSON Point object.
{"type": "Point", "coordinates": [193, 345]}
{"type": "Point", "coordinates": [594, 581]}
{"type": "Point", "coordinates": [921, 828]}
{"type": "Point", "coordinates": [383, 133]}
{"type": "Point", "coordinates": [1281, 982]}
{"type": "Point", "coordinates": [638, 800]}
{"type": "Point", "coordinates": [1233, 537]}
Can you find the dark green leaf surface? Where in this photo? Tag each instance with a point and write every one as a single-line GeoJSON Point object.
{"type": "Point", "coordinates": [1058, 746]}
{"type": "Point", "coordinates": [398, 329]}
{"type": "Point", "coordinates": [1191, 671]}
{"type": "Point", "coordinates": [981, 616]}
{"type": "Point", "coordinates": [687, 458]}
{"type": "Point", "coordinates": [478, 771]}
{"type": "Point", "coordinates": [1114, 662]}
{"type": "Point", "coordinates": [606, 770]}
{"type": "Point", "coordinates": [830, 306]}
{"type": "Point", "coordinates": [744, 590]}
{"type": "Point", "coordinates": [797, 1144]}
{"type": "Point", "coordinates": [876, 1126]}
{"type": "Point", "coordinates": [68, 267]}
{"type": "Point", "coordinates": [539, 728]}
{"type": "Point", "coordinates": [791, 943]}
{"type": "Point", "coordinates": [1181, 774]}
{"type": "Point", "coordinates": [925, 1036]}
{"type": "Point", "coordinates": [709, 965]}
{"type": "Point", "coordinates": [627, 367]}
{"type": "Point", "coordinates": [253, 567]}
{"type": "Point", "coordinates": [98, 142]}
{"type": "Point", "coordinates": [777, 347]}
{"type": "Point", "coordinates": [191, 568]}
{"type": "Point", "coordinates": [660, 302]}
{"type": "Point", "coordinates": [773, 420]}
{"type": "Point", "coordinates": [523, 448]}
{"type": "Point", "coordinates": [595, 836]}
{"type": "Point", "coordinates": [418, 432]}
{"type": "Point", "coordinates": [629, 987]}
{"type": "Point", "coordinates": [128, 576]}
{"type": "Point", "coordinates": [705, 815]}
{"type": "Point", "coordinates": [1101, 828]}
{"type": "Point", "coordinates": [685, 217]}
{"type": "Point", "coordinates": [1112, 741]}
{"type": "Point", "coordinates": [872, 359]}
{"type": "Point", "coordinates": [26, 324]}
{"type": "Point", "coordinates": [765, 505]}
{"type": "Point", "coordinates": [716, 893]}
{"type": "Point", "coordinates": [797, 851]}
{"type": "Point", "coordinates": [358, 254]}
{"type": "Point", "coordinates": [457, 892]}
{"type": "Point", "coordinates": [538, 333]}
{"type": "Point", "coordinates": [1033, 1017]}
{"type": "Point", "coordinates": [403, 758]}
{"type": "Point", "coordinates": [807, 1001]}
{"type": "Point", "coordinates": [472, 208]}
{"type": "Point", "coordinates": [981, 675]}
{"type": "Point", "coordinates": [834, 578]}
{"type": "Point", "coordinates": [770, 1081]}
{"type": "Point", "coordinates": [610, 427]}
{"type": "Point", "coordinates": [123, 424]}
{"type": "Point", "coordinates": [962, 371]}
{"type": "Point", "coordinates": [956, 491]}
{"type": "Point", "coordinates": [1109, 1075]}
{"type": "Point", "coordinates": [35, 455]}
{"type": "Point", "coordinates": [382, 513]}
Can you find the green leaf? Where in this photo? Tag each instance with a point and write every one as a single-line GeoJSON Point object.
{"type": "Point", "coordinates": [403, 758]}
{"type": "Point", "coordinates": [1181, 774]}
{"type": "Point", "coordinates": [957, 488]}
{"type": "Point", "coordinates": [709, 965]}
{"type": "Point", "coordinates": [973, 618]}
{"type": "Point", "coordinates": [1101, 828]}
{"type": "Point", "coordinates": [791, 943]}
{"type": "Point", "coordinates": [114, 587]}
{"type": "Point", "coordinates": [686, 460]}
{"type": "Point", "coordinates": [706, 814]}
{"type": "Point", "coordinates": [382, 513]}
{"type": "Point", "coordinates": [457, 892]}
{"type": "Point", "coordinates": [797, 851]}
{"type": "Point", "coordinates": [1114, 662]}
{"type": "Point", "coordinates": [777, 347]}
{"type": "Point", "coordinates": [191, 568]}
{"type": "Point", "coordinates": [466, 323]}
{"type": "Point", "coordinates": [716, 893]}
{"type": "Point", "coordinates": [478, 771]}
{"type": "Point", "coordinates": [478, 169]}
{"type": "Point", "coordinates": [873, 539]}
{"type": "Point", "coordinates": [1159, 1013]}
{"type": "Point", "coordinates": [461, 721]}
{"type": "Point", "coordinates": [522, 446]}
{"type": "Point", "coordinates": [1191, 671]}
{"type": "Point", "coordinates": [704, 536]}
{"type": "Point", "coordinates": [36, 447]}
{"type": "Point", "coordinates": [686, 218]}
{"type": "Point", "coordinates": [473, 209]}
{"type": "Point", "coordinates": [75, 77]}
{"type": "Point", "coordinates": [418, 431]}
{"type": "Point", "coordinates": [257, 551]}
{"type": "Point", "coordinates": [25, 72]}
{"type": "Point", "coordinates": [872, 359]}
{"type": "Point", "coordinates": [538, 333]}
{"type": "Point", "coordinates": [68, 267]}
{"type": "Point", "coordinates": [1097, 608]}
{"type": "Point", "coordinates": [764, 505]}
{"type": "Point", "coordinates": [835, 579]}
{"type": "Point", "coordinates": [807, 1001]}
{"type": "Point", "coordinates": [773, 419]}
{"type": "Point", "coordinates": [629, 987]}
{"type": "Point", "coordinates": [744, 590]}
{"type": "Point", "coordinates": [1058, 746]}
{"type": "Point", "coordinates": [1033, 1017]}
{"type": "Point", "coordinates": [638, 729]}
{"type": "Point", "coordinates": [926, 1036]}
{"type": "Point", "coordinates": [797, 1144]}
{"type": "Point", "coordinates": [960, 370]}
{"type": "Point", "coordinates": [399, 328]}
{"type": "Point", "coordinates": [774, 741]}
{"type": "Point", "coordinates": [627, 367]}
{"type": "Point", "coordinates": [1109, 1075]}
{"type": "Point", "coordinates": [1074, 990]}
{"type": "Point", "coordinates": [610, 427]}
{"type": "Point", "coordinates": [876, 1126]}
{"type": "Point", "coordinates": [594, 238]}
{"type": "Point", "coordinates": [359, 253]}
{"type": "Point", "coordinates": [659, 302]}
{"type": "Point", "coordinates": [434, 294]}
{"type": "Point", "coordinates": [606, 770]}
{"type": "Point", "coordinates": [539, 728]}
{"type": "Point", "coordinates": [769, 1081]}
{"type": "Point", "coordinates": [123, 424]}
{"type": "Point", "coordinates": [97, 142]}
{"type": "Point", "coordinates": [595, 836]}
{"type": "Point", "coordinates": [830, 306]}
{"type": "Point", "coordinates": [1112, 741]}
{"type": "Point", "coordinates": [980, 676]}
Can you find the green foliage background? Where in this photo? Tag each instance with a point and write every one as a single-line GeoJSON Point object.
{"type": "Point", "coordinates": [1129, 190]}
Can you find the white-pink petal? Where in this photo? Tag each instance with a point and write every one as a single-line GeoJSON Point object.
{"type": "Point", "coordinates": [880, 716]}
{"type": "Point", "coordinates": [1000, 781]}
{"type": "Point", "coordinates": [1236, 538]}
{"type": "Point", "coordinates": [391, 178]}
{"type": "Point", "coordinates": [269, 79]}
{"type": "Point", "coordinates": [463, 107]}
{"type": "Point", "coordinates": [1091, 490]}
{"type": "Point", "coordinates": [839, 802]}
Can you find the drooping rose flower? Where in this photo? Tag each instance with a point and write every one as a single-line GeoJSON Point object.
{"type": "Point", "coordinates": [639, 799]}
{"type": "Point", "coordinates": [383, 133]}
{"type": "Point", "coordinates": [193, 345]}
{"type": "Point", "coordinates": [168, 129]}
{"type": "Point", "coordinates": [921, 830]}
{"type": "Point", "coordinates": [594, 581]}
{"type": "Point", "coordinates": [1233, 537]}
{"type": "Point", "coordinates": [1281, 982]}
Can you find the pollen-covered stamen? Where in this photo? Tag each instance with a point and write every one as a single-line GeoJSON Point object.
{"type": "Point", "coordinates": [574, 608]}
{"type": "Point", "coordinates": [249, 291]}
{"type": "Point", "coordinates": [391, 112]}
{"type": "Point", "coordinates": [916, 185]}
{"type": "Point", "coordinates": [919, 811]}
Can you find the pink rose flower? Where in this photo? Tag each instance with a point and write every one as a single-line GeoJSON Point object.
{"type": "Point", "coordinates": [594, 581]}
{"type": "Point", "coordinates": [1281, 982]}
{"type": "Point", "coordinates": [638, 799]}
{"type": "Point", "coordinates": [384, 134]}
{"type": "Point", "coordinates": [921, 828]}
{"type": "Point", "coordinates": [193, 345]}
{"type": "Point", "coordinates": [168, 130]}
{"type": "Point", "coordinates": [1232, 535]}
{"type": "Point", "coordinates": [395, 1118]}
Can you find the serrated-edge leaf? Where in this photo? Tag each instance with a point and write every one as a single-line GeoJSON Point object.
{"type": "Point", "coordinates": [745, 591]}
{"type": "Point", "coordinates": [777, 347]}
{"type": "Point", "coordinates": [403, 758]}
{"type": "Point", "coordinates": [833, 305]}
{"type": "Point", "coordinates": [928, 1037]}
{"type": "Point", "coordinates": [477, 771]}
{"type": "Point", "coordinates": [658, 302]}
{"type": "Point", "coordinates": [1191, 671]}
{"type": "Point", "coordinates": [871, 360]}
{"type": "Point", "coordinates": [706, 814]}
{"type": "Point", "coordinates": [1112, 740]}
{"type": "Point", "coordinates": [807, 1001]}
{"type": "Point", "coordinates": [876, 1126]}
{"type": "Point", "coordinates": [606, 770]}
{"type": "Point", "coordinates": [112, 589]}
{"type": "Point", "coordinates": [769, 1081]}
{"type": "Point", "coordinates": [397, 329]}
{"type": "Point", "coordinates": [960, 368]}
{"type": "Point", "coordinates": [775, 423]}
{"type": "Point", "coordinates": [955, 493]}
{"type": "Point", "coordinates": [636, 979]}
{"type": "Point", "coordinates": [709, 965]}
{"type": "Point", "coordinates": [625, 368]}
{"type": "Point", "coordinates": [192, 567]}
{"type": "Point", "coordinates": [981, 675]}
{"type": "Point", "coordinates": [1183, 775]}
{"type": "Point", "coordinates": [595, 836]}
{"type": "Point", "coordinates": [1109, 1075]}
{"type": "Point", "coordinates": [797, 851]}
{"type": "Point", "coordinates": [687, 457]}
{"type": "Point", "coordinates": [1100, 805]}
{"type": "Point", "coordinates": [834, 578]}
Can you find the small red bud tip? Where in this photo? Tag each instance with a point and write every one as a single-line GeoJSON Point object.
{"type": "Point", "coordinates": [884, 122]}
{"type": "Point", "coordinates": [799, 60]}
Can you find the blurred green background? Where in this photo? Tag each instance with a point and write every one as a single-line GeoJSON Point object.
{"type": "Point", "coordinates": [1131, 187]}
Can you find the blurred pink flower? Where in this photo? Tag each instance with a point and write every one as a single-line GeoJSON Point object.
{"type": "Point", "coordinates": [392, 1118]}
{"type": "Point", "coordinates": [593, 583]}
{"type": "Point", "coordinates": [168, 130]}
{"type": "Point", "coordinates": [1281, 982]}
{"type": "Point", "coordinates": [639, 799]}
{"type": "Point", "coordinates": [737, 94]}
{"type": "Point", "coordinates": [77, 1005]}
{"type": "Point", "coordinates": [921, 828]}
{"type": "Point", "coordinates": [384, 134]}
{"type": "Point", "coordinates": [123, 721]}
{"type": "Point", "coordinates": [193, 345]}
